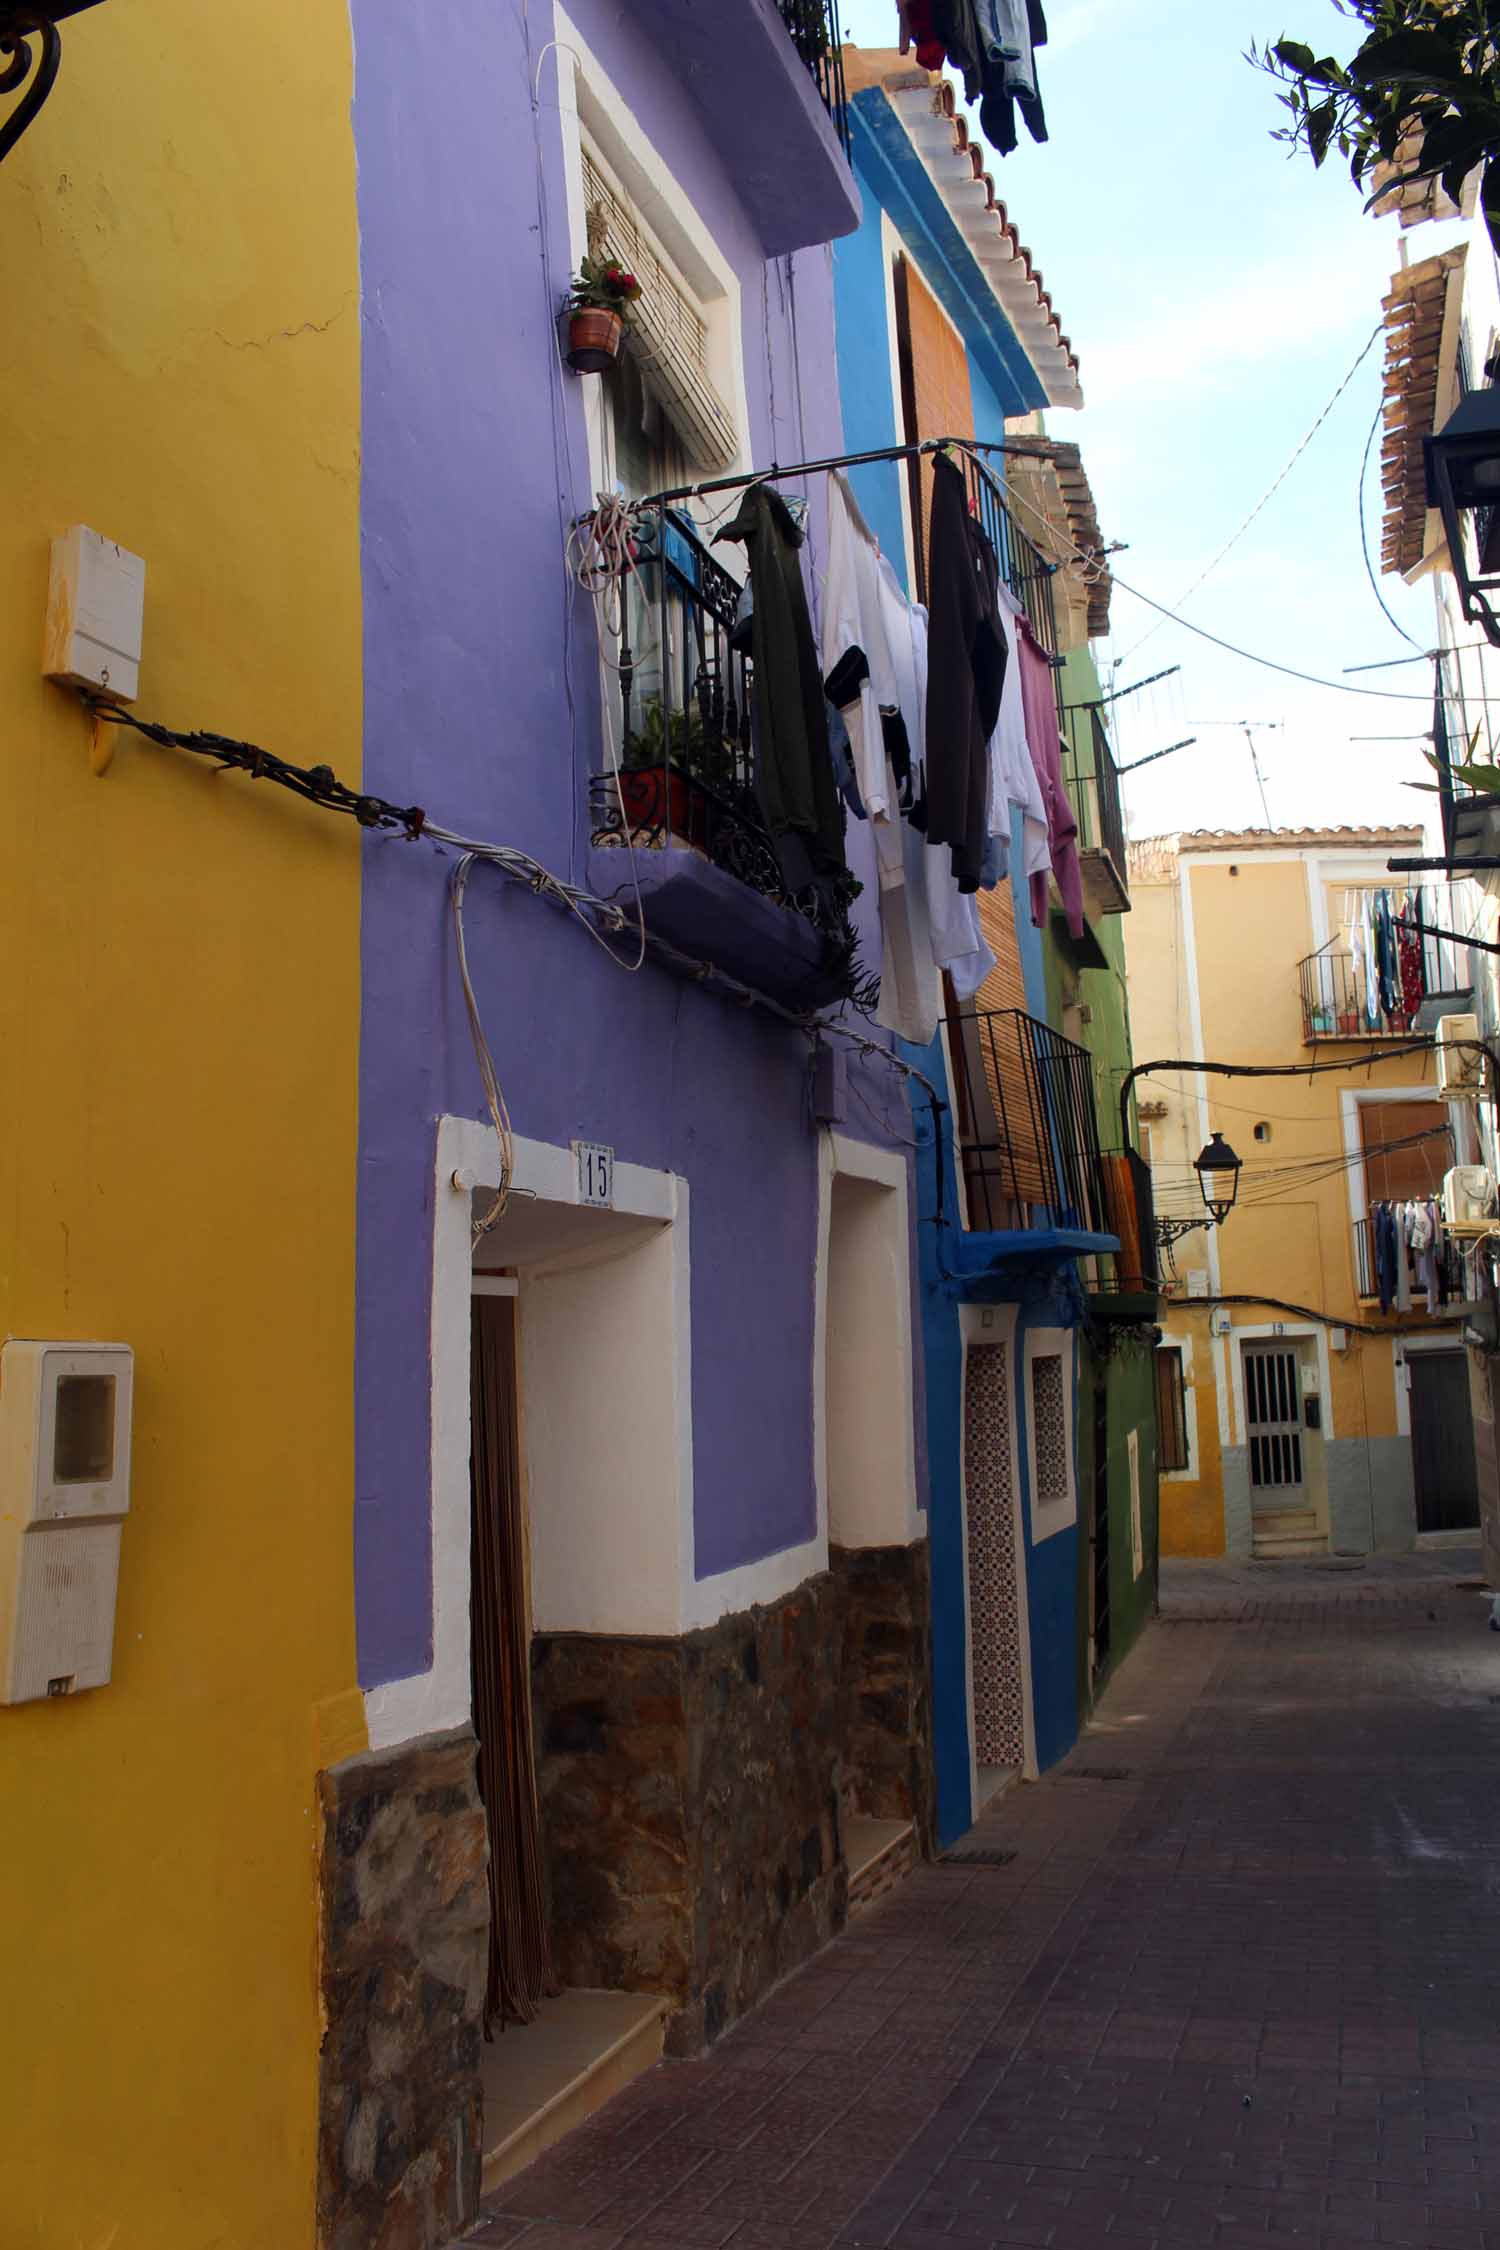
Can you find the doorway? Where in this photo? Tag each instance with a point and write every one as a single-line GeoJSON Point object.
{"type": "Point", "coordinates": [1273, 1424]}
{"type": "Point", "coordinates": [1442, 1442]}
{"type": "Point", "coordinates": [996, 1571]}
{"type": "Point", "coordinates": [1099, 1533]}
{"type": "Point", "coordinates": [520, 1972]}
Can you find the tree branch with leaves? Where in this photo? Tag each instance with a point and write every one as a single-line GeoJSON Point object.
{"type": "Point", "coordinates": [1418, 100]}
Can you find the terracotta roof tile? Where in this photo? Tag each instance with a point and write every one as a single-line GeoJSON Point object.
{"type": "Point", "coordinates": [929, 106]}
{"type": "Point", "coordinates": [1416, 310]}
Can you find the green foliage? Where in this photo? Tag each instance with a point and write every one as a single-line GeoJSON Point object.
{"type": "Point", "coordinates": [1426, 74]}
{"type": "Point", "coordinates": [694, 749]}
{"type": "Point", "coordinates": [603, 285]}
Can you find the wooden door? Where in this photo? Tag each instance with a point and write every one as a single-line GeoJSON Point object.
{"type": "Point", "coordinates": [1442, 1442]}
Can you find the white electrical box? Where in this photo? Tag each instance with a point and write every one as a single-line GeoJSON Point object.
{"type": "Point", "coordinates": [96, 612]}
{"type": "Point", "coordinates": [64, 1495]}
{"type": "Point", "coordinates": [1469, 1200]}
{"type": "Point", "coordinates": [1461, 1071]}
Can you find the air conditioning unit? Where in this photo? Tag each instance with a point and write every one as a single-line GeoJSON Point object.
{"type": "Point", "coordinates": [1469, 1199]}
{"type": "Point", "coordinates": [1460, 1059]}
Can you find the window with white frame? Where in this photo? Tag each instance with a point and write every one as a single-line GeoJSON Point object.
{"type": "Point", "coordinates": [666, 418]}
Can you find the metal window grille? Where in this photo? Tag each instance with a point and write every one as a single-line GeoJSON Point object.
{"type": "Point", "coordinates": [667, 331]}
{"type": "Point", "coordinates": [1049, 1429]}
{"type": "Point", "coordinates": [1273, 1412]}
{"type": "Point", "coordinates": [1171, 1409]}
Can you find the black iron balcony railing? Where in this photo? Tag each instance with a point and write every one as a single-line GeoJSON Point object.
{"type": "Point", "coordinates": [814, 26]}
{"type": "Point", "coordinates": [1094, 787]}
{"type": "Point", "coordinates": [1343, 999]}
{"type": "Point", "coordinates": [1452, 1280]}
{"type": "Point", "coordinates": [686, 769]}
{"type": "Point", "coordinates": [1028, 1130]}
{"type": "Point", "coordinates": [1023, 566]}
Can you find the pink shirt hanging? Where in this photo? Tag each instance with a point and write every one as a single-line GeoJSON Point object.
{"type": "Point", "coordinates": [1045, 746]}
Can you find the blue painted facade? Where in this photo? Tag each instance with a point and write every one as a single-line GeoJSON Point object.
{"type": "Point", "coordinates": [1036, 1272]}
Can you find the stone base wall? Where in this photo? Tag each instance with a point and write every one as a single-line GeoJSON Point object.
{"type": "Point", "coordinates": [690, 1805]}
{"type": "Point", "coordinates": [404, 1933]}
{"type": "Point", "coordinates": [886, 1721]}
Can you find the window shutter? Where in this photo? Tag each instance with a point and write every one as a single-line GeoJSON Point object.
{"type": "Point", "coordinates": [666, 332]}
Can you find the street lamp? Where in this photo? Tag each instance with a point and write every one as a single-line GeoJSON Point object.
{"type": "Point", "coordinates": [21, 21]}
{"type": "Point", "coordinates": [1463, 484]}
{"type": "Point", "coordinates": [1218, 1170]}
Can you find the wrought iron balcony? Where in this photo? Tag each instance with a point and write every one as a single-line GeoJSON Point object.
{"type": "Point", "coordinates": [814, 26]}
{"type": "Point", "coordinates": [1094, 787]}
{"type": "Point", "coordinates": [1453, 1281]}
{"type": "Point", "coordinates": [678, 768]}
{"type": "Point", "coordinates": [1027, 1126]}
{"type": "Point", "coordinates": [1341, 1001]}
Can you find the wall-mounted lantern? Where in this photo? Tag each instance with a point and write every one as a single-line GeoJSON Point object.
{"type": "Point", "coordinates": [30, 52]}
{"type": "Point", "coordinates": [1218, 1170]}
{"type": "Point", "coordinates": [1463, 484]}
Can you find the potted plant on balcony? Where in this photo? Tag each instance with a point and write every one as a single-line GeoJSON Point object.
{"type": "Point", "coordinates": [598, 305]}
{"type": "Point", "coordinates": [672, 766]}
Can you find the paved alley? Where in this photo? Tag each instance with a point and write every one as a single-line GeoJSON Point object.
{"type": "Point", "coordinates": [1235, 1981]}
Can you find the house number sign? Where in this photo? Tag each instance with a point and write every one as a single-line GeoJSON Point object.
{"type": "Point", "coordinates": [596, 1174]}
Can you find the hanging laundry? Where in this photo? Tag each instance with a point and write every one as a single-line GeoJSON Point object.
{"type": "Point", "coordinates": [865, 675]}
{"type": "Point", "coordinates": [1409, 960]}
{"type": "Point", "coordinates": [1385, 955]}
{"type": "Point", "coordinates": [958, 944]}
{"type": "Point", "coordinates": [1371, 961]}
{"type": "Point", "coordinates": [967, 658]}
{"type": "Point", "coordinates": [957, 23]}
{"type": "Point", "coordinates": [1383, 1253]}
{"type": "Point", "coordinates": [1045, 746]}
{"type": "Point", "coordinates": [1010, 33]}
{"type": "Point", "coordinates": [1013, 775]}
{"type": "Point", "coordinates": [794, 772]}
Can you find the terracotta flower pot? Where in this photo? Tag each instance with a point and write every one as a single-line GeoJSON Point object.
{"type": "Point", "coordinates": [593, 339]}
{"type": "Point", "coordinates": [664, 800]}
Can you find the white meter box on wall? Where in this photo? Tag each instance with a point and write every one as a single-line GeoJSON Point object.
{"type": "Point", "coordinates": [64, 1495]}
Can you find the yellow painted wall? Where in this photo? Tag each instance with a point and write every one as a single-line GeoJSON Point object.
{"type": "Point", "coordinates": [178, 1017]}
{"type": "Point", "coordinates": [1243, 937]}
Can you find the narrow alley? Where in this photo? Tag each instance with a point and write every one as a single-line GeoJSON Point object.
{"type": "Point", "coordinates": [1232, 1976]}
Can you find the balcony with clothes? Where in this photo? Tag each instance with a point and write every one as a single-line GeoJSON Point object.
{"type": "Point", "coordinates": [1399, 961]}
{"type": "Point", "coordinates": [725, 796]}
{"type": "Point", "coordinates": [679, 805]}
{"type": "Point", "coordinates": [1406, 1264]}
{"type": "Point", "coordinates": [1032, 1173]}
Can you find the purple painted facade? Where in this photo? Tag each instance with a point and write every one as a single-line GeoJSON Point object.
{"type": "Point", "coordinates": [482, 703]}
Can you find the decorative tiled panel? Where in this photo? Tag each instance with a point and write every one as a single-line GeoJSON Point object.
{"type": "Point", "coordinates": [1049, 1428]}
{"type": "Point", "coordinates": [994, 1579]}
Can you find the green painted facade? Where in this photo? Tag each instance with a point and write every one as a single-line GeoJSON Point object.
{"type": "Point", "coordinates": [1116, 1385]}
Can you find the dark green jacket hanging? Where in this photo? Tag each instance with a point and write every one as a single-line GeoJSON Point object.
{"type": "Point", "coordinates": [794, 777]}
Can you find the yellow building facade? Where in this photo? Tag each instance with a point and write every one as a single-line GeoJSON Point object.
{"type": "Point", "coordinates": [180, 372]}
{"type": "Point", "coordinates": [1313, 1418]}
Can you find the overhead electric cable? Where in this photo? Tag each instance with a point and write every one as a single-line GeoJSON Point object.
{"type": "Point", "coordinates": [1271, 491]}
{"type": "Point", "coordinates": [1364, 541]}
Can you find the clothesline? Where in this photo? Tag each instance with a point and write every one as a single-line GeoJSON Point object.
{"type": "Point", "coordinates": [745, 477]}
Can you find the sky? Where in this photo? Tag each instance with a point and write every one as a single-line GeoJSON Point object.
{"type": "Point", "coordinates": [1217, 291]}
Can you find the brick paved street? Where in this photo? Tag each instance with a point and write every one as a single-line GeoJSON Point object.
{"type": "Point", "coordinates": [1247, 1991]}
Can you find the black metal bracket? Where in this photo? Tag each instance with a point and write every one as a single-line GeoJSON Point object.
{"type": "Point", "coordinates": [18, 63]}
